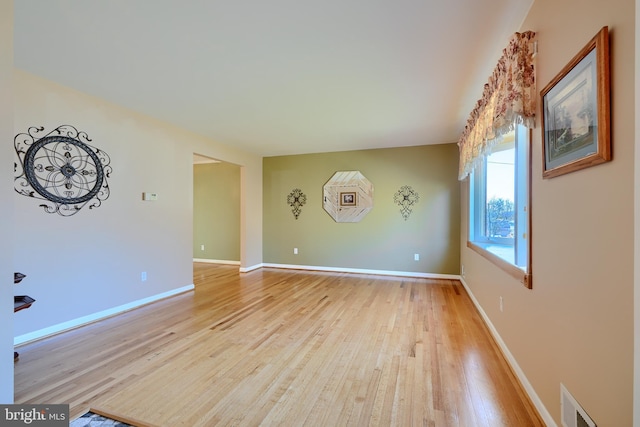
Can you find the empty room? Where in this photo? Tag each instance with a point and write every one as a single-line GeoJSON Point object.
{"type": "Point", "coordinates": [320, 213]}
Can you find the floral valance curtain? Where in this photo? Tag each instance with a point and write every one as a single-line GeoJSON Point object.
{"type": "Point", "coordinates": [509, 98]}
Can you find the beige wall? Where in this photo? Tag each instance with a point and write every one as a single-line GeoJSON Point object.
{"type": "Point", "coordinates": [92, 261]}
{"type": "Point", "coordinates": [6, 195]}
{"type": "Point", "coordinates": [216, 211]}
{"type": "Point", "coordinates": [382, 240]}
{"type": "Point", "coordinates": [576, 325]}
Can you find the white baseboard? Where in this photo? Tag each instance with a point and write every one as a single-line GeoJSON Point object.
{"type": "Point", "coordinates": [216, 261]}
{"type": "Point", "coordinates": [250, 268]}
{"type": "Point", "coordinates": [334, 269]}
{"type": "Point", "coordinates": [85, 320]}
{"type": "Point", "coordinates": [364, 271]}
{"type": "Point", "coordinates": [542, 410]}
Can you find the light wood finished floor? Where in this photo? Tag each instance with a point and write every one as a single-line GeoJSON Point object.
{"type": "Point", "coordinates": [280, 348]}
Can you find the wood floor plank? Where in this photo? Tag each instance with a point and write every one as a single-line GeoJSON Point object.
{"type": "Point", "coordinates": [278, 347]}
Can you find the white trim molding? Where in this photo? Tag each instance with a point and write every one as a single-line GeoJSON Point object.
{"type": "Point", "coordinates": [95, 317]}
{"type": "Point", "coordinates": [364, 271]}
{"type": "Point", "coordinates": [216, 261]}
{"type": "Point", "coordinates": [250, 268]}
{"type": "Point", "coordinates": [528, 388]}
{"type": "Point", "coordinates": [335, 270]}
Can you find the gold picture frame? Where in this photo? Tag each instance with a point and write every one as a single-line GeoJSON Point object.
{"type": "Point", "coordinates": [576, 113]}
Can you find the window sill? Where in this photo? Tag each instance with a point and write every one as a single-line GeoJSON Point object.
{"type": "Point", "coordinates": [514, 271]}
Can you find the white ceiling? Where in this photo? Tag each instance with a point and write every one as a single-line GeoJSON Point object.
{"type": "Point", "coordinates": [277, 77]}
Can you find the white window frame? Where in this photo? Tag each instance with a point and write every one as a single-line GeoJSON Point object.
{"type": "Point", "coordinates": [517, 264]}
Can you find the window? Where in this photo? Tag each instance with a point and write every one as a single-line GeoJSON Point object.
{"type": "Point", "coordinates": [499, 205]}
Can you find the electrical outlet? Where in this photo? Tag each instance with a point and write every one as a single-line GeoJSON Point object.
{"type": "Point", "coordinates": [501, 304]}
{"type": "Point", "coordinates": [416, 257]}
{"type": "Point", "coordinates": [462, 270]}
{"type": "Point", "coordinates": [295, 251]}
{"type": "Point", "coordinates": [202, 247]}
{"type": "Point", "coordinates": [143, 276]}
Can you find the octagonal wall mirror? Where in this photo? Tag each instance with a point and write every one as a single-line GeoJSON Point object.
{"type": "Point", "coordinates": [348, 196]}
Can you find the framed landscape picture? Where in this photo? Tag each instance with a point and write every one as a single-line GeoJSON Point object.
{"type": "Point", "coordinates": [576, 112]}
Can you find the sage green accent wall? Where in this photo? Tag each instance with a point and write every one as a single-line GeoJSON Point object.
{"type": "Point", "coordinates": [216, 211]}
{"type": "Point", "coordinates": [383, 240]}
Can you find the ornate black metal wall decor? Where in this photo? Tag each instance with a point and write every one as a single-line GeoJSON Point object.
{"type": "Point", "coordinates": [296, 199]}
{"type": "Point", "coordinates": [406, 197]}
{"type": "Point", "coordinates": [62, 169]}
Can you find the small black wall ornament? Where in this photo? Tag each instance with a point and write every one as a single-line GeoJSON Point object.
{"type": "Point", "coordinates": [296, 199]}
{"type": "Point", "coordinates": [62, 168]}
{"type": "Point", "coordinates": [406, 197]}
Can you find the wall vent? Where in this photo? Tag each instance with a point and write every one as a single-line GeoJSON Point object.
{"type": "Point", "coordinates": [573, 415]}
